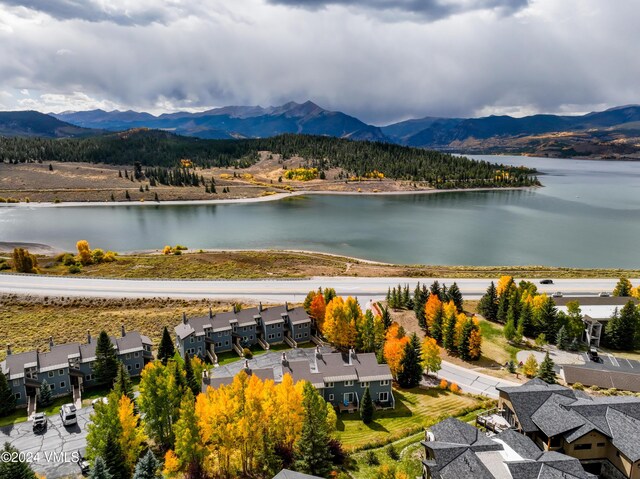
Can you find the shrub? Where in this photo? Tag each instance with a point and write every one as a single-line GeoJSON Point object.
{"type": "Point", "coordinates": [444, 384]}
{"type": "Point", "coordinates": [4, 265]}
{"type": "Point", "coordinates": [177, 252]}
{"type": "Point", "coordinates": [454, 388]}
{"type": "Point", "coordinates": [166, 250]}
{"type": "Point", "coordinates": [595, 388]}
{"type": "Point", "coordinates": [179, 247]}
{"type": "Point", "coordinates": [578, 386]}
{"type": "Point", "coordinates": [371, 458]}
{"type": "Point", "coordinates": [74, 269]}
{"type": "Point", "coordinates": [392, 452]}
{"type": "Point", "coordinates": [247, 353]}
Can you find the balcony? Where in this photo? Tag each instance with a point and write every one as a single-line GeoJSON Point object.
{"type": "Point", "coordinates": [493, 420]}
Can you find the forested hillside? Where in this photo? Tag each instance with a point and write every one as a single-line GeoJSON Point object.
{"type": "Point", "coordinates": [357, 158]}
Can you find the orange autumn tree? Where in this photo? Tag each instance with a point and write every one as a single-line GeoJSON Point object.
{"type": "Point", "coordinates": [431, 310]}
{"type": "Point", "coordinates": [317, 310]}
{"type": "Point", "coordinates": [395, 341]}
{"type": "Point", "coordinates": [340, 323]}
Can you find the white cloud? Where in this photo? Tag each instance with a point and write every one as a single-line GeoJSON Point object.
{"type": "Point", "coordinates": [548, 57]}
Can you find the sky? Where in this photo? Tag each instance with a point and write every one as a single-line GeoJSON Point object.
{"type": "Point", "coordinates": [379, 60]}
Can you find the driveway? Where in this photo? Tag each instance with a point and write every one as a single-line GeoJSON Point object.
{"type": "Point", "coordinates": [473, 381]}
{"type": "Point", "coordinates": [54, 452]}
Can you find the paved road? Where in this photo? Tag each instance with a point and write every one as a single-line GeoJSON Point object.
{"type": "Point", "coordinates": [472, 381]}
{"type": "Point", "coordinates": [264, 290]}
{"type": "Point", "coordinates": [50, 448]}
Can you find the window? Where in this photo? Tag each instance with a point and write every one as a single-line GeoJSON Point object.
{"type": "Point", "coordinates": [18, 396]}
{"type": "Point", "coordinates": [62, 385]}
{"type": "Point", "coordinates": [137, 365]}
{"type": "Point", "coordinates": [329, 385]}
{"type": "Point", "coordinates": [582, 447]}
{"type": "Point", "coordinates": [88, 377]}
{"type": "Point", "coordinates": [52, 386]}
{"type": "Point", "coordinates": [384, 383]}
{"type": "Point", "coordinates": [298, 335]}
{"type": "Point", "coordinates": [383, 397]}
{"type": "Point", "coordinates": [191, 339]}
{"type": "Point", "coordinates": [226, 343]}
{"type": "Point", "coordinates": [16, 382]}
{"type": "Point", "coordinates": [136, 354]}
{"type": "Point", "coordinates": [200, 350]}
{"type": "Point", "coordinates": [128, 356]}
{"type": "Point", "coordinates": [128, 367]}
{"type": "Point", "coordinates": [330, 397]}
{"type": "Point", "coordinates": [51, 374]}
{"type": "Point", "coordinates": [60, 372]}
{"type": "Point", "coordinates": [348, 383]}
{"type": "Point", "coordinates": [271, 336]}
{"type": "Point", "coordinates": [364, 385]}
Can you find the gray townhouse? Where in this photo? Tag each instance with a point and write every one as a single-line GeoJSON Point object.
{"type": "Point", "coordinates": [340, 378]}
{"type": "Point", "coordinates": [238, 329]}
{"type": "Point", "coordinates": [457, 450]}
{"type": "Point", "coordinates": [68, 368]}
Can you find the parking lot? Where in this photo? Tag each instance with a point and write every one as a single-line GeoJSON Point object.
{"type": "Point", "coordinates": [609, 362]}
{"type": "Point", "coordinates": [56, 449]}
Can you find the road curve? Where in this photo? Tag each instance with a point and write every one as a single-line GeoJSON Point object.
{"type": "Point", "coordinates": [263, 290]}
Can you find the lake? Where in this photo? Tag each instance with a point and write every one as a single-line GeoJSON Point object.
{"type": "Point", "coordinates": [586, 215]}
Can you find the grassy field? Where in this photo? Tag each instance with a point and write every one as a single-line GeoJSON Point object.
{"type": "Point", "coordinates": [288, 264]}
{"type": "Point", "coordinates": [27, 322]}
{"type": "Point", "coordinates": [415, 409]}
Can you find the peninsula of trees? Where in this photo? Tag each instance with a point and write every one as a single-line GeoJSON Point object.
{"type": "Point", "coordinates": [153, 148]}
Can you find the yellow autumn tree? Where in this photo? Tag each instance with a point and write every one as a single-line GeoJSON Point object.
{"type": "Point", "coordinates": [449, 309]}
{"type": "Point", "coordinates": [431, 308]}
{"type": "Point", "coordinates": [339, 323]}
{"type": "Point", "coordinates": [288, 412]}
{"type": "Point", "coordinates": [394, 348]}
{"type": "Point", "coordinates": [84, 252]}
{"type": "Point", "coordinates": [132, 437]}
{"type": "Point", "coordinates": [504, 283]}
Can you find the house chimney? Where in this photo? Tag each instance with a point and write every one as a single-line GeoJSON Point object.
{"type": "Point", "coordinates": [8, 349]}
{"type": "Point", "coordinates": [184, 318]}
{"type": "Point", "coordinates": [50, 342]}
{"type": "Point", "coordinates": [284, 359]}
{"type": "Point", "coordinates": [286, 306]}
{"type": "Point", "coordinates": [122, 330]}
{"type": "Point", "coordinates": [246, 365]}
{"type": "Point", "coordinates": [210, 313]}
{"type": "Point", "coordinates": [352, 353]}
{"type": "Point", "coordinates": [88, 337]}
{"type": "Point", "coordinates": [260, 307]}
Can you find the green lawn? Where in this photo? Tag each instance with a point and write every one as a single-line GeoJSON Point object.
{"type": "Point", "coordinates": [415, 409]}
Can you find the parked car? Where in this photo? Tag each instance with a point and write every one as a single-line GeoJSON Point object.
{"type": "Point", "coordinates": [546, 281]}
{"type": "Point", "coordinates": [39, 423]}
{"type": "Point", "coordinates": [604, 294]}
{"type": "Point", "coordinates": [593, 355]}
{"type": "Point", "coordinates": [101, 400]}
{"type": "Point", "coordinates": [68, 415]}
{"type": "Point", "coordinates": [557, 294]}
{"type": "Point", "coordinates": [83, 464]}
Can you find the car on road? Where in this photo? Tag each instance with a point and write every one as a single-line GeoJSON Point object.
{"type": "Point", "coordinates": [557, 294]}
{"type": "Point", "coordinates": [83, 464]}
{"type": "Point", "coordinates": [604, 294]}
{"type": "Point", "coordinates": [68, 415]}
{"type": "Point", "coordinates": [39, 423]}
{"type": "Point", "coordinates": [593, 355]}
{"type": "Point", "coordinates": [546, 281]}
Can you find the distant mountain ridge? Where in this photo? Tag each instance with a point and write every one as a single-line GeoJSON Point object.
{"type": "Point", "coordinates": [614, 132]}
{"type": "Point", "coordinates": [235, 122]}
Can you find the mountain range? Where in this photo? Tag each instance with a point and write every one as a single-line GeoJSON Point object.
{"type": "Point", "coordinates": [611, 132]}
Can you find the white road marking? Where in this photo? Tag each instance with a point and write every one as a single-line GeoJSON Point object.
{"type": "Point", "coordinates": [614, 361]}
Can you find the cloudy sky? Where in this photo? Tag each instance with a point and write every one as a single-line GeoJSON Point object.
{"type": "Point", "coordinates": [380, 60]}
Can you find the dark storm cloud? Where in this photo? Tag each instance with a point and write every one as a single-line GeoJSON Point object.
{"type": "Point", "coordinates": [427, 9]}
{"type": "Point", "coordinates": [93, 11]}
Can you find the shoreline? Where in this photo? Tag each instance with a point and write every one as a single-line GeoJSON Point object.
{"type": "Point", "coordinates": [257, 199]}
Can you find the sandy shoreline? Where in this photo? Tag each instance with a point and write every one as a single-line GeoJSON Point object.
{"type": "Point", "coordinates": [259, 199]}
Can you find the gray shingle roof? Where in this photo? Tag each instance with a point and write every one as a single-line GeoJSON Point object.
{"type": "Point", "coordinates": [287, 474]}
{"type": "Point", "coordinates": [299, 316]}
{"type": "Point", "coordinates": [301, 371]}
{"type": "Point", "coordinates": [457, 432]}
{"type": "Point", "coordinates": [520, 443]}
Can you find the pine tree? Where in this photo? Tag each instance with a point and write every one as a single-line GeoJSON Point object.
{"type": "Point", "coordinates": [99, 470]}
{"type": "Point", "coordinates": [621, 329]}
{"type": "Point", "coordinates": [449, 334]}
{"type": "Point", "coordinates": [546, 372]}
{"type": "Point", "coordinates": [548, 320]}
{"type": "Point", "coordinates": [420, 296]}
{"type": "Point", "coordinates": [526, 321]}
{"type": "Point", "coordinates": [410, 372]}
{"type": "Point", "coordinates": [122, 384]}
{"type": "Point", "coordinates": [45, 398]}
{"type": "Point", "coordinates": [166, 349]}
{"type": "Point", "coordinates": [192, 381]}
{"type": "Point", "coordinates": [7, 398]}
{"type": "Point", "coordinates": [464, 346]}
{"type": "Point", "coordinates": [14, 469]}
{"type": "Point", "coordinates": [519, 335]}
{"type": "Point", "coordinates": [312, 449]}
{"type": "Point", "coordinates": [488, 306]}
{"type": "Point", "coordinates": [562, 339]}
{"type": "Point", "coordinates": [435, 289]}
{"type": "Point", "coordinates": [437, 328]}
{"type": "Point", "coordinates": [114, 459]}
{"type": "Point", "coordinates": [147, 467]}
{"type": "Point", "coordinates": [366, 407]}
{"type": "Point", "coordinates": [455, 295]}
{"type": "Point", "coordinates": [127, 195]}
{"type": "Point", "coordinates": [105, 367]}
{"type": "Point", "coordinates": [386, 318]}
{"type": "Point", "coordinates": [503, 308]}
